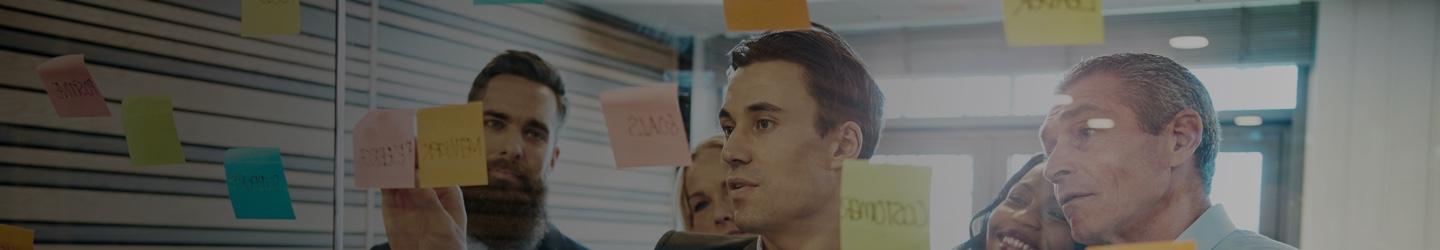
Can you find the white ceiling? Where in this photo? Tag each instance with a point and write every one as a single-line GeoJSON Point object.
{"type": "Point", "coordinates": [707, 16]}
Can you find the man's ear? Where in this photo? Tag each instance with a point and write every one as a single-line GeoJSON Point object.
{"type": "Point", "coordinates": [848, 141]}
{"type": "Point", "coordinates": [1187, 130]}
{"type": "Point", "coordinates": [554, 158]}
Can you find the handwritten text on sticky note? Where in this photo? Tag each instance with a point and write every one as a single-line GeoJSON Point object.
{"type": "Point", "coordinates": [1176, 245]}
{"type": "Point", "coordinates": [72, 91]}
{"type": "Point", "coordinates": [884, 206]}
{"type": "Point", "coordinates": [150, 131]}
{"type": "Point", "coordinates": [763, 15]}
{"type": "Point", "coordinates": [385, 149]}
{"type": "Point", "coordinates": [260, 18]}
{"type": "Point", "coordinates": [256, 177]}
{"type": "Point", "coordinates": [1053, 22]}
{"type": "Point", "coordinates": [451, 144]}
{"type": "Point", "coordinates": [16, 238]}
{"type": "Point", "coordinates": [645, 126]}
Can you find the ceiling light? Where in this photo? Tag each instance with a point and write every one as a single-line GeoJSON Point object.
{"type": "Point", "coordinates": [1248, 121]}
{"type": "Point", "coordinates": [1189, 42]}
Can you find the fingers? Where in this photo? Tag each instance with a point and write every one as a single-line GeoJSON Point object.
{"type": "Point", "coordinates": [452, 200]}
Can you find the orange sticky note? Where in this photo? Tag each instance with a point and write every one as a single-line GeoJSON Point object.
{"type": "Point", "coordinates": [72, 91]}
{"type": "Point", "coordinates": [385, 149]}
{"type": "Point", "coordinates": [645, 126]}
{"type": "Point", "coordinates": [1053, 23]}
{"type": "Point", "coordinates": [451, 144]}
{"type": "Point", "coordinates": [1169, 245]}
{"type": "Point", "coordinates": [260, 18]}
{"type": "Point", "coordinates": [16, 238]}
{"type": "Point", "coordinates": [762, 15]}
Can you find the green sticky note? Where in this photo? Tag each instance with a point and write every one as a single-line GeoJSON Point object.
{"type": "Point", "coordinates": [884, 206]}
{"type": "Point", "coordinates": [259, 18]}
{"type": "Point", "coordinates": [482, 2]}
{"type": "Point", "coordinates": [256, 177]}
{"type": "Point", "coordinates": [150, 131]}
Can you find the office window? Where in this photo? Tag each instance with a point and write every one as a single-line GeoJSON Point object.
{"type": "Point", "coordinates": [1033, 94]}
{"type": "Point", "coordinates": [1237, 183]}
{"type": "Point", "coordinates": [947, 97]}
{"type": "Point", "coordinates": [1255, 88]}
{"type": "Point", "coordinates": [951, 179]}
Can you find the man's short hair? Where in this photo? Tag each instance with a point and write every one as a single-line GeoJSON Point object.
{"type": "Point", "coordinates": [1157, 88]}
{"type": "Point", "coordinates": [525, 65]}
{"type": "Point", "coordinates": [839, 83]}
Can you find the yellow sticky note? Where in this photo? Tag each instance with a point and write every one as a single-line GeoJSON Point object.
{"type": "Point", "coordinates": [761, 15]}
{"type": "Point", "coordinates": [884, 206]}
{"type": "Point", "coordinates": [1053, 22]}
{"type": "Point", "coordinates": [452, 146]}
{"type": "Point", "coordinates": [16, 238]}
{"type": "Point", "coordinates": [269, 17]}
{"type": "Point", "coordinates": [1168, 245]}
{"type": "Point", "coordinates": [150, 131]}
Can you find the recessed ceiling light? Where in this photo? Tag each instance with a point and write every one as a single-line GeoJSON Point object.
{"type": "Point", "coordinates": [1248, 121]}
{"type": "Point", "coordinates": [1189, 42]}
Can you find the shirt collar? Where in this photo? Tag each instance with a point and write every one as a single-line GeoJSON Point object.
{"type": "Point", "coordinates": [1208, 230]}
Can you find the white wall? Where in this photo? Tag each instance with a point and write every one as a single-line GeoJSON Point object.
{"type": "Point", "coordinates": [1372, 172]}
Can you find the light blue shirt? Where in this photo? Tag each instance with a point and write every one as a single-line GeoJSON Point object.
{"type": "Point", "coordinates": [1213, 230]}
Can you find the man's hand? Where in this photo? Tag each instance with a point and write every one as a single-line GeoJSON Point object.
{"type": "Point", "coordinates": [424, 218]}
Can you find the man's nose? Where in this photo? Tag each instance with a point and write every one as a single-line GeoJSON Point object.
{"type": "Point", "coordinates": [1059, 164]}
{"type": "Point", "coordinates": [504, 147]}
{"type": "Point", "coordinates": [736, 151]}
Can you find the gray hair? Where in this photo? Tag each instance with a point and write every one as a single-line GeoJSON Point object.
{"type": "Point", "coordinates": [1157, 88]}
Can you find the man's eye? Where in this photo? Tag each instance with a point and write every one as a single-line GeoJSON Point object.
{"type": "Point", "coordinates": [494, 124]}
{"type": "Point", "coordinates": [727, 129]}
{"type": "Point", "coordinates": [764, 124]}
{"type": "Point", "coordinates": [534, 135]}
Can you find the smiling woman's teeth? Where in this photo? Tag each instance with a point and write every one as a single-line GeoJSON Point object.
{"type": "Point", "coordinates": [1014, 243]}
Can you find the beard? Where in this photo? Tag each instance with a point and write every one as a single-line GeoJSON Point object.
{"type": "Point", "coordinates": [507, 214]}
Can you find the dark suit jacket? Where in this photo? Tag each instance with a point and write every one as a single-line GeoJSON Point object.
{"type": "Point", "coordinates": [698, 241]}
{"type": "Point", "coordinates": [553, 240]}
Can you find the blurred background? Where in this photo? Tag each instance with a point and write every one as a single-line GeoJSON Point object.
{"type": "Point", "coordinates": [1330, 109]}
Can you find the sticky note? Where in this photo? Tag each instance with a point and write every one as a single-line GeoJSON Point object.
{"type": "Point", "coordinates": [484, 2]}
{"type": "Point", "coordinates": [884, 206]}
{"type": "Point", "coordinates": [763, 15]}
{"type": "Point", "coordinates": [1176, 245]}
{"type": "Point", "coordinates": [645, 126]}
{"type": "Point", "coordinates": [72, 91]}
{"type": "Point", "coordinates": [256, 177]}
{"type": "Point", "coordinates": [1053, 23]}
{"type": "Point", "coordinates": [150, 131]}
{"type": "Point", "coordinates": [385, 149]}
{"type": "Point", "coordinates": [16, 238]}
{"type": "Point", "coordinates": [260, 18]}
{"type": "Point", "coordinates": [451, 146]}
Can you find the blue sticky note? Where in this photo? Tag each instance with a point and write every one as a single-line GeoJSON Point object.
{"type": "Point", "coordinates": [256, 178]}
{"type": "Point", "coordinates": [480, 2]}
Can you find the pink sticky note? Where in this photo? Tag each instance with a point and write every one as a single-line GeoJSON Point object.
{"type": "Point", "coordinates": [72, 91]}
{"type": "Point", "coordinates": [645, 126]}
{"type": "Point", "coordinates": [385, 149]}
